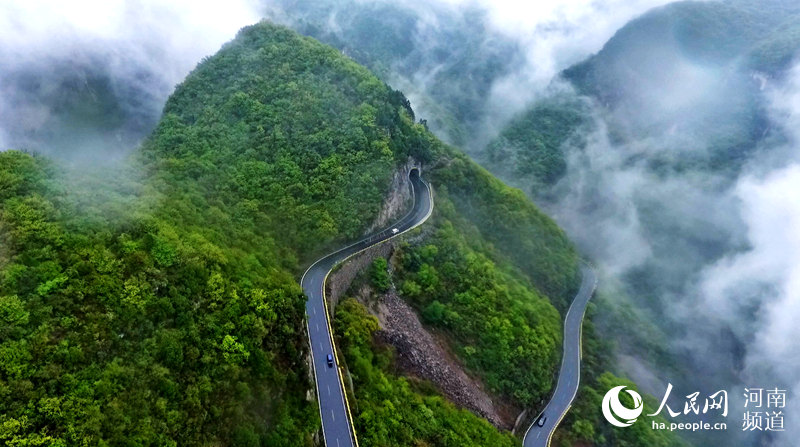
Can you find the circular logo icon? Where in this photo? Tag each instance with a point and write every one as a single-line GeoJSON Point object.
{"type": "Point", "coordinates": [618, 414]}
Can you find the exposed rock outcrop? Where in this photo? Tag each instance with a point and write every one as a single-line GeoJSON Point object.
{"type": "Point", "coordinates": [399, 199]}
{"type": "Point", "coordinates": [397, 204]}
{"type": "Point", "coordinates": [421, 354]}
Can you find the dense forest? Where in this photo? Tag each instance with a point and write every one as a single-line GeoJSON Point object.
{"type": "Point", "coordinates": [529, 148]}
{"type": "Point", "coordinates": [136, 332]}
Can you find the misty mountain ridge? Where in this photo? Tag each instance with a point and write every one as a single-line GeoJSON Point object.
{"type": "Point", "coordinates": [692, 73]}
{"type": "Point", "coordinates": [445, 59]}
{"type": "Point", "coordinates": [77, 107]}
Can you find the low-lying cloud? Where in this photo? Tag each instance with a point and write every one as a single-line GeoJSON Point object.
{"type": "Point", "coordinates": [554, 35]}
{"type": "Point", "coordinates": [756, 292]}
{"type": "Point", "coordinates": [723, 245]}
{"type": "Point", "coordinates": [89, 78]}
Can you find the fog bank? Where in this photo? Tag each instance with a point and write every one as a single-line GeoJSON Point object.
{"type": "Point", "coordinates": [87, 79]}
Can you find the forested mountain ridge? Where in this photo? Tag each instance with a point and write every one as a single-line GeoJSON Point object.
{"type": "Point", "coordinates": [167, 312]}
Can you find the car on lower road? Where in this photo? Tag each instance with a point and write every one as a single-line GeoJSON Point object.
{"type": "Point", "coordinates": [330, 360]}
{"type": "Point", "coordinates": [541, 421]}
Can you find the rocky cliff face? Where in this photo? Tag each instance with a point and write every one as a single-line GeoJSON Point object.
{"type": "Point", "coordinates": [419, 352]}
{"type": "Point", "coordinates": [339, 281]}
{"type": "Point", "coordinates": [399, 200]}
{"type": "Point", "coordinates": [396, 205]}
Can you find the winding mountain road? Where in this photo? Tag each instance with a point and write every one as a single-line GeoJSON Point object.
{"type": "Point", "coordinates": [570, 374]}
{"type": "Point", "coordinates": [337, 428]}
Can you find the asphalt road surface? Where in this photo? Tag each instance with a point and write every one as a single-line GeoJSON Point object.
{"type": "Point", "coordinates": [337, 428]}
{"type": "Point", "coordinates": [570, 374]}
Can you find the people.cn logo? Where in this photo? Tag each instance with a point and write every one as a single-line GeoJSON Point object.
{"type": "Point", "coordinates": [618, 414]}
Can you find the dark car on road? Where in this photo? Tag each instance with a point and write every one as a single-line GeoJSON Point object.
{"type": "Point", "coordinates": [330, 360]}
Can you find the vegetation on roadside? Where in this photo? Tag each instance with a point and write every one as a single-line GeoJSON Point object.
{"type": "Point", "coordinates": [395, 411]}
{"type": "Point", "coordinates": [584, 422]}
{"type": "Point", "coordinates": [379, 275]}
{"type": "Point", "coordinates": [500, 324]}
